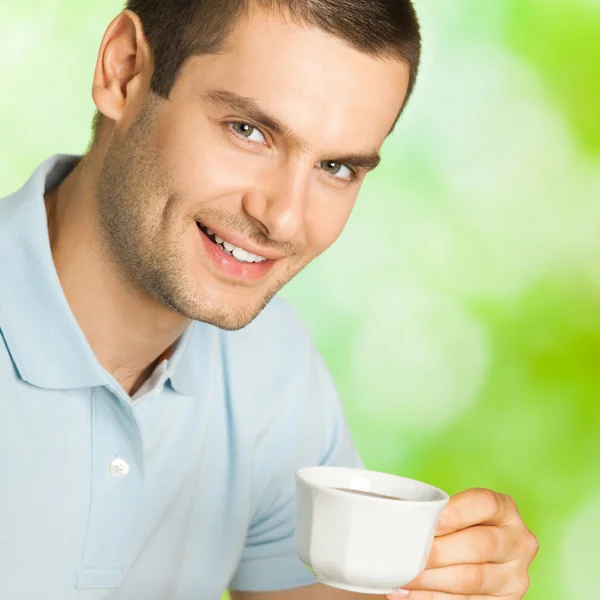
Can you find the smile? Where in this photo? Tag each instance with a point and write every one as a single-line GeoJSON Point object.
{"type": "Point", "coordinates": [234, 262]}
{"type": "Point", "coordinates": [239, 254]}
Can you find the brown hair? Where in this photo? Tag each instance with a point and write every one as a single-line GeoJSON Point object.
{"type": "Point", "coordinates": [178, 29]}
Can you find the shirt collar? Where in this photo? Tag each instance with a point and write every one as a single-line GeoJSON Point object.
{"type": "Point", "coordinates": [47, 346]}
{"type": "Point", "coordinates": [191, 365]}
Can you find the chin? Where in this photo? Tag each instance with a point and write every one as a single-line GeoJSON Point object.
{"type": "Point", "coordinates": [229, 320]}
{"type": "Point", "coordinates": [227, 315]}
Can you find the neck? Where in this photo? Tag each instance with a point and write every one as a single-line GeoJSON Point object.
{"type": "Point", "coordinates": [127, 329]}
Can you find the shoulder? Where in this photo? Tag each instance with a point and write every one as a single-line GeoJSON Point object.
{"type": "Point", "coordinates": [273, 369]}
{"type": "Point", "coordinates": [283, 396]}
{"type": "Point", "coordinates": [8, 205]}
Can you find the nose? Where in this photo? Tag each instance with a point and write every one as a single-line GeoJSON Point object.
{"type": "Point", "coordinates": [278, 203]}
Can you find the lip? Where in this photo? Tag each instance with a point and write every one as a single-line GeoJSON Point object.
{"type": "Point", "coordinates": [229, 266]}
{"type": "Point", "coordinates": [244, 244]}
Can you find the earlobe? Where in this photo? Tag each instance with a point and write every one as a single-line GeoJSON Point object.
{"type": "Point", "coordinates": [123, 60]}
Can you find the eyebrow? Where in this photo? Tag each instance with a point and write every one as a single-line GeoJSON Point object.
{"type": "Point", "coordinates": [251, 109]}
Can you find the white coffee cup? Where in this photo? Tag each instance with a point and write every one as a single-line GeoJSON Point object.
{"type": "Point", "coordinates": [364, 543]}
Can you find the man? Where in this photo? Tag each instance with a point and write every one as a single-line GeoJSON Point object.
{"type": "Point", "coordinates": [156, 400]}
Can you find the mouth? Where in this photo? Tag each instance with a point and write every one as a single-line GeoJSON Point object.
{"type": "Point", "coordinates": [239, 254]}
{"type": "Point", "coordinates": [232, 261]}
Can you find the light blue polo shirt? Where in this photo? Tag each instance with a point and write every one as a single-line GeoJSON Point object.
{"type": "Point", "coordinates": [177, 495]}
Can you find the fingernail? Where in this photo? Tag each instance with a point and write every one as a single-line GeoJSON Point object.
{"type": "Point", "coordinates": [399, 594]}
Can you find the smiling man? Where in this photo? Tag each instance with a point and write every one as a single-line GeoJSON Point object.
{"type": "Point", "coordinates": [156, 397]}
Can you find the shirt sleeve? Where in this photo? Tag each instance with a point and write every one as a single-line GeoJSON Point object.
{"type": "Point", "coordinates": [312, 430]}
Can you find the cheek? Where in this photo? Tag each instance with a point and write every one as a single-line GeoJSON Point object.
{"type": "Point", "coordinates": [326, 220]}
{"type": "Point", "coordinates": [199, 159]}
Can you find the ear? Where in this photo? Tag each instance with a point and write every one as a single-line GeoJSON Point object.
{"type": "Point", "coordinates": [123, 68]}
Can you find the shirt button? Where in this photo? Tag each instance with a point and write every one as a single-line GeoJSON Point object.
{"type": "Point", "coordinates": [118, 468]}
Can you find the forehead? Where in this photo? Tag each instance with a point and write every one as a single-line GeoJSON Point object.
{"type": "Point", "coordinates": [325, 90]}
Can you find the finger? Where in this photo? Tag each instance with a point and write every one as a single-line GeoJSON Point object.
{"type": "Point", "coordinates": [477, 507]}
{"type": "Point", "coordinates": [490, 579]}
{"type": "Point", "coordinates": [429, 595]}
{"type": "Point", "coordinates": [479, 544]}
{"type": "Point", "coordinates": [529, 545]}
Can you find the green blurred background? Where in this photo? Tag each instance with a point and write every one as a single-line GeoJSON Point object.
{"type": "Point", "coordinates": [459, 312]}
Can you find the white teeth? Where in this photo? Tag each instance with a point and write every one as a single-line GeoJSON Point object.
{"type": "Point", "coordinates": [209, 231]}
{"type": "Point", "coordinates": [239, 253]}
{"type": "Point", "coordinates": [255, 258]}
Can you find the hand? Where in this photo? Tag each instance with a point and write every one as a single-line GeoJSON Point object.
{"type": "Point", "coordinates": [482, 550]}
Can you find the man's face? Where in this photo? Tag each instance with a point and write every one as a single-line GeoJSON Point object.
{"type": "Point", "coordinates": [204, 163]}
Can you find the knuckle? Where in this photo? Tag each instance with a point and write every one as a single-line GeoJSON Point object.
{"type": "Point", "coordinates": [491, 501]}
{"type": "Point", "coordinates": [533, 545]}
{"type": "Point", "coordinates": [473, 578]}
{"type": "Point", "coordinates": [528, 545]}
{"type": "Point", "coordinates": [522, 585]}
{"type": "Point", "coordinates": [488, 544]}
{"type": "Point", "coordinates": [512, 503]}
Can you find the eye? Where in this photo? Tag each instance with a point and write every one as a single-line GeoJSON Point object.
{"type": "Point", "coordinates": [246, 131]}
{"type": "Point", "coordinates": [334, 168]}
